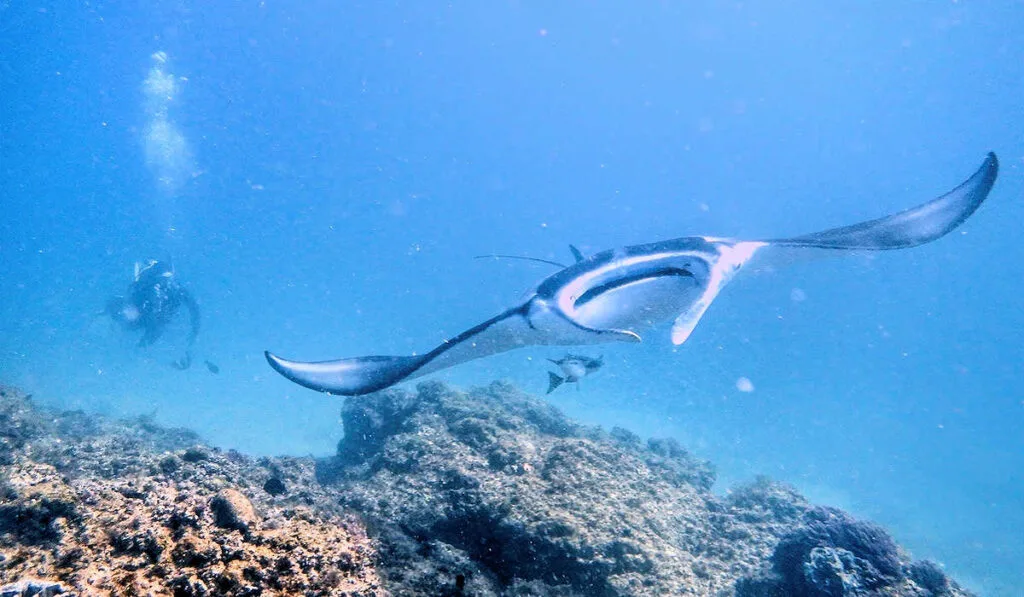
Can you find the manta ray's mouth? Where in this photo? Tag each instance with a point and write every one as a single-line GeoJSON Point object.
{"type": "Point", "coordinates": [610, 285]}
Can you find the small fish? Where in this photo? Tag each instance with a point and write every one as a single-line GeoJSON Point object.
{"type": "Point", "coordinates": [574, 368]}
{"type": "Point", "coordinates": [212, 367]}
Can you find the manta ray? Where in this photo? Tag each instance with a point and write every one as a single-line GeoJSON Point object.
{"type": "Point", "coordinates": [613, 295]}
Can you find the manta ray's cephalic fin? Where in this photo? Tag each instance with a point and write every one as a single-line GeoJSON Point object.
{"type": "Point", "coordinates": [912, 227]}
{"type": "Point", "coordinates": [520, 258]}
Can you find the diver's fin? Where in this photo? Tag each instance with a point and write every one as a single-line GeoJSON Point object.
{"type": "Point", "coordinates": [576, 253]}
{"type": "Point", "coordinates": [347, 377]}
{"type": "Point", "coordinates": [554, 381]}
{"type": "Point", "coordinates": [521, 258]}
{"type": "Point", "coordinates": [183, 363]}
{"type": "Point", "coordinates": [912, 227]}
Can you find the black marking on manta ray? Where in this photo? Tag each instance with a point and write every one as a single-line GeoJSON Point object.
{"type": "Point", "coordinates": [663, 272]}
{"type": "Point", "coordinates": [689, 244]}
{"type": "Point", "coordinates": [598, 331]}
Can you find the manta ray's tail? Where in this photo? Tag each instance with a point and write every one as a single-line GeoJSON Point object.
{"type": "Point", "coordinates": [348, 377]}
{"type": "Point", "coordinates": [915, 226]}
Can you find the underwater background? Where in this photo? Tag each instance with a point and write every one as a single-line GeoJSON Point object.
{"type": "Point", "coordinates": [322, 174]}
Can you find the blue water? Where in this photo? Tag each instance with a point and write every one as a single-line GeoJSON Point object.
{"type": "Point", "coordinates": [323, 173]}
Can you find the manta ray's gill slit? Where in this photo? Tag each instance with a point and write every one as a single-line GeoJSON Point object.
{"type": "Point", "coordinates": [600, 289]}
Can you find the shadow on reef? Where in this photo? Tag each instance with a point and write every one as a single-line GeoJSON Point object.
{"type": "Point", "coordinates": [439, 492]}
{"type": "Point", "coordinates": [494, 492]}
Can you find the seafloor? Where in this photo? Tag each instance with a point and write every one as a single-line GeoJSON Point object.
{"type": "Point", "coordinates": [438, 492]}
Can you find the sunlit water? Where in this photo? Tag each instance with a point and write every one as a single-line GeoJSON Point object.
{"type": "Point", "coordinates": [322, 177]}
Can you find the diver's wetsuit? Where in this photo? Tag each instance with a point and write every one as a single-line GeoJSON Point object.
{"type": "Point", "coordinates": [152, 302]}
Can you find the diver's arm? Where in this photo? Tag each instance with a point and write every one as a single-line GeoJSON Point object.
{"type": "Point", "coordinates": [193, 315]}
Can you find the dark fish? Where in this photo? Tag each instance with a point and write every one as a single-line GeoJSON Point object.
{"type": "Point", "coordinates": [212, 367]}
{"type": "Point", "coordinates": [574, 368]}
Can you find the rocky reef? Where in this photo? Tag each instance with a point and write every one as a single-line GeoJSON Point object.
{"type": "Point", "coordinates": [96, 507]}
{"type": "Point", "coordinates": [437, 492]}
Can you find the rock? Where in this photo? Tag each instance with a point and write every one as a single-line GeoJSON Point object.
{"type": "Point", "coordinates": [195, 454]}
{"type": "Point", "coordinates": [232, 510]}
{"type": "Point", "coordinates": [18, 423]}
{"type": "Point", "coordinates": [37, 507]}
{"type": "Point", "coordinates": [275, 486]}
{"type": "Point", "coordinates": [493, 492]}
{"type": "Point", "coordinates": [104, 507]}
{"type": "Point", "coordinates": [31, 588]}
{"type": "Point", "coordinates": [835, 572]}
{"type": "Point", "coordinates": [929, 576]}
{"type": "Point", "coordinates": [487, 492]}
{"type": "Point", "coordinates": [521, 500]}
{"type": "Point", "coordinates": [833, 555]}
{"type": "Point", "coordinates": [867, 553]}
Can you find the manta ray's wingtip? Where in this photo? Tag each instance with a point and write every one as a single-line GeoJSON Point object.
{"type": "Point", "coordinates": [286, 369]}
{"type": "Point", "coordinates": [275, 361]}
{"type": "Point", "coordinates": [991, 165]}
{"type": "Point", "coordinates": [989, 170]}
{"type": "Point", "coordinates": [912, 227]}
{"type": "Point", "coordinates": [347, 377]}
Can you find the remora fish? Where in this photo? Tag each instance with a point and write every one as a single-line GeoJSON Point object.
{"type": "Point", "coordinates": [609, 296]}
{"type": "Point", "coordinates": [574, 368]}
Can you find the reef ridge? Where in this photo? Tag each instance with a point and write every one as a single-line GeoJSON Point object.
{"type": "Point", "coordinates": [434, 492]}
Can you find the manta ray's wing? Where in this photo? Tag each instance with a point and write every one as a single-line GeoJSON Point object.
{"type": "Point", "coordinates": [362, 375]}
{"type": "Point", "coordinates": [347, 377]}
{"type": "Point", "coordinates": [525, 325]}
{"type": "Point", "coordinates": [910, 228]}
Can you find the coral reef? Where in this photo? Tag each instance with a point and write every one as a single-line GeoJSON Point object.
{"type": "Point", "coordinates": [493, 492]}
{"type": "Point", "coordinates": [97, 507]}
{"type": "Point", "coordinates": [437, 492]}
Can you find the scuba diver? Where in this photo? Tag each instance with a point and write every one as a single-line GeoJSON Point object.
{"type": "Point", "coordinates": [153, 299]}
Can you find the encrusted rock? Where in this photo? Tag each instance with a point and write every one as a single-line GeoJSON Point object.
{"type": "Point", "coordinates": [275, 486]}
{"type": "Point", "coordinates": [232, 510]}
{"type": "Point", "coordinates": [32, 588]}
{"type": "Point", "coordinates": [106, 508]}
{"type": "Point", "coordinates": [493, 492]}
{"type": "Point", "coordinates": [488, 492]}
{"type": "Point", "coordinates": [37, 505]}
